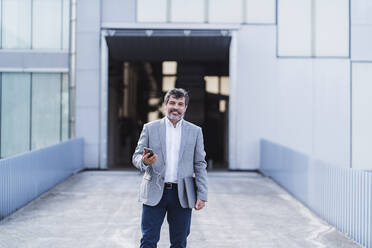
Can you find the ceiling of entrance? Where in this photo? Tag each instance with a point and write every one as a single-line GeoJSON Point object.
{"type": "Point", "coordinates": [169, 47]}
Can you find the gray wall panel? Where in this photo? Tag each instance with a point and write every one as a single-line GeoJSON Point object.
{"type": "Point", "coordinates": [361, 30]}
{"type": "Point", "coordinates": [36, 60]}
{"type": "Point", "coordinates": [88, 16]}
{"type": "Point", "coordinates": [361, 36]}
{"type": "Point", "coordinates": [88, 119]}
{"type": "Point", "coordinates": [331, 111]}
{"type": "Point", "coordinates": [87, 51]}
{"type": "Point", "coordinates": [300, 103]}
{"type": "Point", "coordinates": [361, 11]}
{"type": "Point", "coordinates": [87, 78]}
{"type": "Point", "coordinates": [11, 59]}
{"type": "Point", "coordinates": [46, 60]}
{"type": "Point", "coordinates": [118, 11]}
{"type": "Point", "coordinates": [91, 153]}
{"type": "Point", "coordinates": [361, 115]}
{"type": "Point", "coordinates": [87, 88]}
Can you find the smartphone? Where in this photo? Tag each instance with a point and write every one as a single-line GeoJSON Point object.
{"type": "Point", "coordinates": [149, 150]}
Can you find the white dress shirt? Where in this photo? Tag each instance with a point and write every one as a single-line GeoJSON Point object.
{"type": "Point", "coordinates": [173, 141]}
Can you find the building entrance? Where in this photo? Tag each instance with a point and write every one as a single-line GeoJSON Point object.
{"type": "Point", "coordinates": [143, 67]}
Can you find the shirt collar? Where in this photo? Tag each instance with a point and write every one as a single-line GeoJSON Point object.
{"type": "Point", "coordinates": [170, 124]}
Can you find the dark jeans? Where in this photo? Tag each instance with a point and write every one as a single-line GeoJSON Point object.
{"type": "Point", "coordinates": [179, 220]}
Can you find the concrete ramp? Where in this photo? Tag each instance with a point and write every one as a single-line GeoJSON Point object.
{"type": "Point", "coordinates": [100, 209]}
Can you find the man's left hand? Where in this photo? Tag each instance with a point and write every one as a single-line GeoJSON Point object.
{"type": "Point", "coordinates": [199, 204]}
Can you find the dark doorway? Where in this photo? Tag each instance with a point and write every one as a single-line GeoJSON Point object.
{"type": "Point", "coordinates": [142, 69]}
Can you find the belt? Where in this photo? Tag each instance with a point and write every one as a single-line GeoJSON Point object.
{"type": "Point", "coordinates": [170, 185]}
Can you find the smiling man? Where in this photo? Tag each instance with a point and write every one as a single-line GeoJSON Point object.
{"type": "Point", "coordinates": [168, 186]}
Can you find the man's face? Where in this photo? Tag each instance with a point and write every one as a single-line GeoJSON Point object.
{"type": "Point", "coordinates": [175, 108]}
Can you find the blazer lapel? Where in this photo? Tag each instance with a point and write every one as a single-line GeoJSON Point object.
{"type": "Point", "coordinates": [184, 135]}
{"type": "Point", "coordinates": [162, 133]}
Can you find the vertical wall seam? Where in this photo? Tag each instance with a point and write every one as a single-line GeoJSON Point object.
{"type": "Point", "coordinates": [136, 11]}
{"type": "Point", "coordinates": [60, 105]}
{"type": "Point", "coordinates": [30, 134]}
{"type": "Point", "coordinates": [277, 27]}
{"type": "Point", "coordinates": [169, 11]}
{"type": "Point", "coordinates": [206, 11]}
{"type": "Point", "coordinates": [351, 113]}
{"type": "Point", "coordinates": [350, 29]}
{"type": "Point", "coordinates": [62, 33]}
{"type": "Point", "coordinates": [1, 110]}
{"type": "Point", "coordinates": [31, 24]}
{"type": "Point", "coordinates": [313, 29]}
{"type": "Point", "coordinates": [244, 13]}
{"type": "Point", "coordinates": [1, 24]}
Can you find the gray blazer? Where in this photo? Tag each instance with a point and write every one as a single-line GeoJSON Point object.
{"type": "Point", "coordinates": [191, 161]}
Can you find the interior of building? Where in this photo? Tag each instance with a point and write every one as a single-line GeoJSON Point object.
{"type": "Point", "coordinates": [142, 68]}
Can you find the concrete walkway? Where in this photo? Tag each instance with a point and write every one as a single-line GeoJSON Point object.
{"type": "Point", "coordinates": [100, 209]}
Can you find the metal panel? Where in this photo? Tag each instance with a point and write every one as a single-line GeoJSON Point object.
{"type": "Point", "coordinates": [118, 11]}
{"type": "Point", "coordinates": [341, 196]}
{"type": "Point", "coordinates": [24, 177]}
{"type": "Point", "coordinates": [34, 61]}
{"type": "Point", "coordinates": [361, 94]}
{"type": "Point", "coordinates": [103, 119]}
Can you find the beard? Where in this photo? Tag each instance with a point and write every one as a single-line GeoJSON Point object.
{"type": "Point", "coordinates": [175, 117]}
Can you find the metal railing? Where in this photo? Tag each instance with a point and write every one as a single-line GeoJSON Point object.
{"type": "Point", "coordinates": [26, 176]}
{"type": "Point", "coordinates": [341, 196]}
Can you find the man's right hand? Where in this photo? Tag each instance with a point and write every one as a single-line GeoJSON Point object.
{"type": "Point", "coordinates": [149, 160]}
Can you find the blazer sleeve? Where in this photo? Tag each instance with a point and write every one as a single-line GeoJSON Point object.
{"type": "Point", "coordinates": [137, 155]}
{"type": "Point", "coordinates": [200, 168]}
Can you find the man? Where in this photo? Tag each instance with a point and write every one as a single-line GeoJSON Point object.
{"type": "Point", "coordinates": [178, 154]}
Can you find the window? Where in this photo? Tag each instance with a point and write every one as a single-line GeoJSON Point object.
{"type": "Point", "coordinates": [15, 113]}
{"type": "Point", "coordinates": [46, 24]}
{"type": "Point", "coordinates": [65, 108]}
{"type": "Point", "coordinates": [225, 86]}
{"type": "Point", "coordinates": [212, 84]}
{"type": "Point", "coordinates": [1, 18]}
{"type": "Point", "coordinates": [16, 24]}
{"type": "Point", "coordinates": [169, 82]}
{"type": "Point", "coordinates": [65, 24]}
{"type": "Point", "coordinates": [35, 24]}
{"type": "Point", "coordinates": [222, 106]}
{"type": "Point", "coordinates": [46, 107]}
{"type": "Point", "coordinates": [34, 111]}
{"type": "Point", "coordinates": [169, 68]}
{"type": "Point", "coordinates": [169, 71]}
{"type": "Point", "coordinates": [217, 85]}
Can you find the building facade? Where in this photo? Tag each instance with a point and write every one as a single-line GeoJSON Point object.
{"type": "Point", "coordinates": [296, 73]}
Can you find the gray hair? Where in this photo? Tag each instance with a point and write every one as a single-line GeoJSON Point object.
{"type": "Point", "coordinates": [177, 93]}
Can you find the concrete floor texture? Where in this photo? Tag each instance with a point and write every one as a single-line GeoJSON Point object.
{"type": "Point", "coordinates": [100, 209]}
